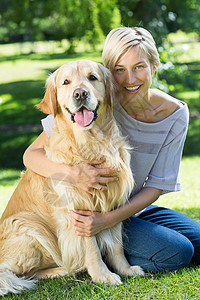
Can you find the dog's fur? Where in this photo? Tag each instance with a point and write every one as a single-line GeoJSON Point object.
{"type": "Point", "coordinates": [37, 238]}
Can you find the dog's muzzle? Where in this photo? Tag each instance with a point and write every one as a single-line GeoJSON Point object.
{"type": "Point", "coordinates": [84, 116]}
{"type": "Point", "coordinates": [80, 94]}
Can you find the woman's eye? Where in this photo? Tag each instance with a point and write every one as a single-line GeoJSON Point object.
{"type": "Point", "coordinates": [66, 81]}
{"type": "Point", "coordinates": [139, 67]}
{"type": "Point", "coordinates": [119, 70]}
{"type": "Point", "coordinates": [92, 77]}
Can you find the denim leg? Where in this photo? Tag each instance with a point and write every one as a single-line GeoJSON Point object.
{"type": "Point", "coordinates": [176, 221]}
{"type": "Point", "coordinates": [161, 239]}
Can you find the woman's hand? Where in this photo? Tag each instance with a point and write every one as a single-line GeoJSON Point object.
{"type": "Point", "coordinates": [88, 177]}
{"type": "Point", "coordinates": [87, 223]}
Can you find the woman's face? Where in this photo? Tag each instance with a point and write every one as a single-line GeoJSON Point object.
{"type": "Point", "coordinates": [133, 72]}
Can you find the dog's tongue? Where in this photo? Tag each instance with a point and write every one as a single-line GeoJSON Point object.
{"type": "Point", "coordinates": [84, 117]}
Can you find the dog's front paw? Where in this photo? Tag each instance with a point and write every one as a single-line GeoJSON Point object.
{"type": "Point", "coordinates": [135, 271]}
{"type": "Point", "coordinates": [108, 278]}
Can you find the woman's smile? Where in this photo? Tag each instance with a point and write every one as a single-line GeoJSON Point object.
{"type": "Point", "coordinates": [132, 89]}
{"type": "Point", "coordinates": [133, 72]}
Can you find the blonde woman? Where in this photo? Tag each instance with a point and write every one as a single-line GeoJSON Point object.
{"type": "Point", "coordinates": [157, 238]}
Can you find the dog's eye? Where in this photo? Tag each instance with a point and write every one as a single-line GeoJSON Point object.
{"type": "Point", "coordinates": [92, 77]}
{"type": "Point", "coordinates": [66, 82]}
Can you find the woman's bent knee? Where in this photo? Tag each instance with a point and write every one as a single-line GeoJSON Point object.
{"type": "Point", "coordinates": [170, 257]}
{"type": "Point", "coordinates": [178, 256]}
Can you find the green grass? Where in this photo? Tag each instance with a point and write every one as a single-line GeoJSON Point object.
{"type": "Point", "coordinates": [9, 179]}
{"type": "Point", "coordinates": [187, 200]}
{"type": "Point", "coordinates": [23, 71]}
{"type": "Point", "coordinates": [182, 284]}
{"type": "Point", "coordinates": [24, 68]}
{"type": "Point", "coordinates": [22, 82]}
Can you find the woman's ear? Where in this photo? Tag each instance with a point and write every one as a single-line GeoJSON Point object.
{"type": "Point", "coordinates": [154, 68]}
{"type": "Point", "coordinates": [48, 105]}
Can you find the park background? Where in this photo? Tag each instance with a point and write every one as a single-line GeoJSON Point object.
{"type": "Point", "coordinates": [38, 36]}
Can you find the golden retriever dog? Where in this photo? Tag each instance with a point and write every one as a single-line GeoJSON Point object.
{"type": "Point", "coordinates": [37, 237]}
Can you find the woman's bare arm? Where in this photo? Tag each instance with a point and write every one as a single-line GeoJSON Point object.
{"type": "Point", "coordinates": [85, 175]}
{"type": "Point", "coordinates": [90, 223]}
{"type": "Point", "coordinates": [34, 158]}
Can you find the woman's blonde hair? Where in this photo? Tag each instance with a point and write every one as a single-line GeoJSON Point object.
{"type": "Point", "coordinates": [120, 40]}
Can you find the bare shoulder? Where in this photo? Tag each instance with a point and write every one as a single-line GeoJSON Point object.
{"type": "Point", "coordinates": [167, 104]}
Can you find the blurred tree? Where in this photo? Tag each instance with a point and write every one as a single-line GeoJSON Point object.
{"type": "Point", "coordinates": [161, 16]}
{"type": "Point", "coordinates": [73, 19]}
{"type": "Point", "coordinates": [46, 19]}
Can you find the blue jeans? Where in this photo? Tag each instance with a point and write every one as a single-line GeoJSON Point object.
{"type": "Point", "coordinates": [161, 239]}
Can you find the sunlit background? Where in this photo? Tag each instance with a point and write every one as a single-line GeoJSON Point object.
{"type": "Point", "coordinates": [38, 36]}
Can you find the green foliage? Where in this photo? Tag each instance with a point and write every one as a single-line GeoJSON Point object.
{"type": "Point", "coordinates": [24, 20]}
{"type": "Point", "coordinates": [22, 86]}
{"type": "Point", "coordinates": [179, 76]}
{"type": "Point", "coordinates": [172, 73]}
{"type": "Point", "coordinates": [161, 16]}
{"type": "Point", "coordinates": [62, 19]}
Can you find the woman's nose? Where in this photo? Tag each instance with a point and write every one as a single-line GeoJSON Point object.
{"type": "Point", "coordinates": [130, 77]}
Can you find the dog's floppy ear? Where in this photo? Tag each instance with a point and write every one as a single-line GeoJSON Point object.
{"type": "Point", "coordinates": [110, 85]}
{"type": "Point", "coordinates": [48, 105]}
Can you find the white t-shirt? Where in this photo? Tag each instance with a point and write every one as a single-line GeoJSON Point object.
{"type": "Point", "coordinates": [157, 147]}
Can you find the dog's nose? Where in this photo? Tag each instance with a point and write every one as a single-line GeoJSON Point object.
{"type": "Point", "coordinates": [80, 94]}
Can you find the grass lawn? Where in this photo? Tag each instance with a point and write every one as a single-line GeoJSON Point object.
{"type": "Point", "coordinates": [22, 80]}
{"type": "Point", "coordinates": [22, 77]}
{"type": "Point", "coordinates": [177, 285]}
{"type": "Point", "coordinates": [183, 284]}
